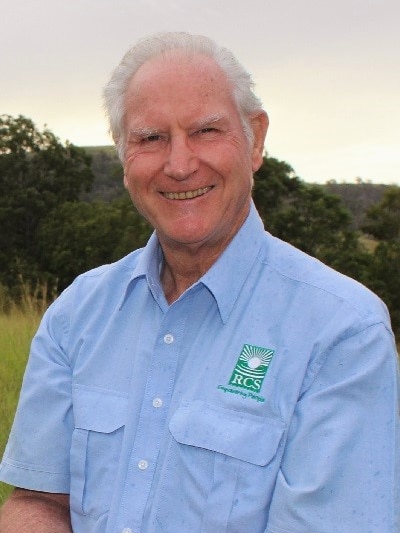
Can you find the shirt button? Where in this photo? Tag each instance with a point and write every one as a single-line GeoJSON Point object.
{"type": "Point", "coordinates": [168, 338]}
{"type": "Point", "coordinates": [157, 402]}
{"type": "Point", "coordinates": [127, 530]}
{"type": "Point", "coordinates": [143, 464]}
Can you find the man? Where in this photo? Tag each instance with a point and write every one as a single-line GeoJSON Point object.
{"type": "Point", "coordinates": [218, 380]}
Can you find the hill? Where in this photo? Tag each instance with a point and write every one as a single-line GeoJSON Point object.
{"type": "Point", "coordinates": [108, 175]}
{"type": "Point", "coordinates": [357, 197]}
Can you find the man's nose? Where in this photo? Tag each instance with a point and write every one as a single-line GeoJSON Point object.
{"type": "Point", "coordinates": [181, 161]}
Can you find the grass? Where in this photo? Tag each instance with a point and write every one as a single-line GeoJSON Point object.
{"type": "Point", "coordinates": [17, 327]}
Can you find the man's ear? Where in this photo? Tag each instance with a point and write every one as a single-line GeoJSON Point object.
{"type": "Point", "coordinates": [259, 125]}
{"type": "Point", "coordinates": [125, 180]}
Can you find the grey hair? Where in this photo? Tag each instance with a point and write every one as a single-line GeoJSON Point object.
{"type": "Point", "coordinates": [160, 44]}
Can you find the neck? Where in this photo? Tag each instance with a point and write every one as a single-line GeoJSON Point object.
{"type": "Point", "coordinates": [184, 264]}
{"type": "Point", "coordinates": [182, 268]}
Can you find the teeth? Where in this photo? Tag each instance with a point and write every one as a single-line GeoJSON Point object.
{"type": "Point", "coordinates": [186, 195]}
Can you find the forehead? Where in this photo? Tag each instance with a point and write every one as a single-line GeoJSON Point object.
{"type": "Point", "coordinates": [185, 80]}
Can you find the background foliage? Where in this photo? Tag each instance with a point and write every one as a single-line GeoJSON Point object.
{"type": "Point", "coordinates": [63, 210]}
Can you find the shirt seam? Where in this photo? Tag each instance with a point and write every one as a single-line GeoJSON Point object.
{"type": "Point", "coordinates": [92, 388]}
{"type": "Point", "coordinates": [30, 468]}
{"type": "Point", "coordinates": [277, 529]}
{"type": "Point", "coordinates": [319, 362]}
{"type": "Point", "coordinates": [339, 297]}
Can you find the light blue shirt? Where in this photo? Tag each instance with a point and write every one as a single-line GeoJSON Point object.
{"type": "Point", "coordinates": [264, 400]}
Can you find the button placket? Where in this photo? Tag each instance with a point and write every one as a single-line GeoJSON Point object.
{"type": "Point", "coordinates": [158, 391]}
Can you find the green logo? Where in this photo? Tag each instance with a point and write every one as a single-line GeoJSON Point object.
{"type": "Point", "coordinates": [251, 367]}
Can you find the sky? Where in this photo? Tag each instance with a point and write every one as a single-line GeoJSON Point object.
{"type": "Point", "coordinates": [328, 72]}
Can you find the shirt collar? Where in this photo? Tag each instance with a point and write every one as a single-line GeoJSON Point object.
{"type": "Point", "coordinates": [224, 279]}
{"type": "Point", "coordinates": [149, 262]}
{"type": "Point", "coordinates": [147, 266]}
{"type": "Point", "coordinates": [228, 274]}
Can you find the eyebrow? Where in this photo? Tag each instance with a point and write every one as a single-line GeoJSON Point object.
{"type": "Point", "coordinates": [202, 123]}
{"type": "Point", "coordinates": [142, 132]}
{"type": "Point", "coordinates": [208, 121]}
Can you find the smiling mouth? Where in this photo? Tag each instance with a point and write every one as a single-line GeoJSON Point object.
{"type": "Point", "coordinates": [188, 195]}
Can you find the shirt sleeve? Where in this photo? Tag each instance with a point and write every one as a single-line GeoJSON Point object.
{"type": "Point", "coordinates": [37, 453]}
{"type": "Point", "coordinates": [340, 470]}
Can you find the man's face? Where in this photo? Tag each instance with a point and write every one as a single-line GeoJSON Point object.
{"type": "Point", "coordinates": [188, 165]}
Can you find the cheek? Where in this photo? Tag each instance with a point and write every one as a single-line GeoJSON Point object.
{"type": "Point", "coordinates": [140, 169]}
{"type": "Point", "coordinates": [131, 184]}
{"type": "Point", "coordinates": [130, 181]}
{"type": "Point", "coordinates": [134, 174]}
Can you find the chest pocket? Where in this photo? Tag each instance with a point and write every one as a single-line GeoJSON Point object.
{"type": "Point", "coordinates": [224, 466]}
{"type": "Point", "coordinates": [247, 437]}
{"type": "Point", "coordinates": [96, 445]}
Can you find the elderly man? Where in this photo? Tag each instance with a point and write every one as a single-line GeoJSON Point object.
{"type": "Point", "coordinates": [218, 380]}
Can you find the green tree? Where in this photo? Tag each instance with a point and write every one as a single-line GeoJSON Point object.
{"type": "Point", "coordinates": [383, 218]}
{"type": "Point", "coordinates": [385, 278]}
{"type": "Point", "coordinates": [85, 235]}
{"type": "Point", "coordinates": [37, 174]}
{"type": "Point", "coordinates": [309, 218]}
{"type": "Point", "coordinates": [302, 214]}
{"type": "Point", "coordinates": [313, 221]}
{"type": "Point", "coordinates": [274, 184]}
{"type": "Point", "coordinates": [383, 223]}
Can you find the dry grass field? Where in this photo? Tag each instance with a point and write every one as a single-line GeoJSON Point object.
{"type": "Point", "coordinates": [16, 330]}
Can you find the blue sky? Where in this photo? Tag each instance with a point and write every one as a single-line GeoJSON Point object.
{"type": "Point", "coordinates": [327, 72]}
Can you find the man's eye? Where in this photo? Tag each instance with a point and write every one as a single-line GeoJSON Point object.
{"type": "Point", "coordinates": [152, 138]}
{"type": "Point", "coordinates": [207, 132]}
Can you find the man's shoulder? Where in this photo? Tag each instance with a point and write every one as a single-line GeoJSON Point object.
{"type": "Point", "coordinates": [320, 281]}
{"type": "Point", "coordinates": [97, 283]}
{"type": "Point", "coordinates": [123, 266]}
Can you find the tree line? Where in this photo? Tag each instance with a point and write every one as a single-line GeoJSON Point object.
{"type": "Point", "coordinates": [54, 225]}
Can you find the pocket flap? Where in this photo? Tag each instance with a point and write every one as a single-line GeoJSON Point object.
{"type": "Point", "coordinates": [251, 438]}
{"type": "Point", "coordinates": [96, 410]}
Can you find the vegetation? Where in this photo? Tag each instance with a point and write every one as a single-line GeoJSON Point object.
{"type": "Point", "coordinates": [37, 175]}
{"type": "Point", "coordinates": [357, 197]}
{"type": "Point", "coordinates": [17, 326]}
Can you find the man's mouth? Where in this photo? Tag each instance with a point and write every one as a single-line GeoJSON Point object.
{"type": "Point", "coordinates": [187, 195]}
